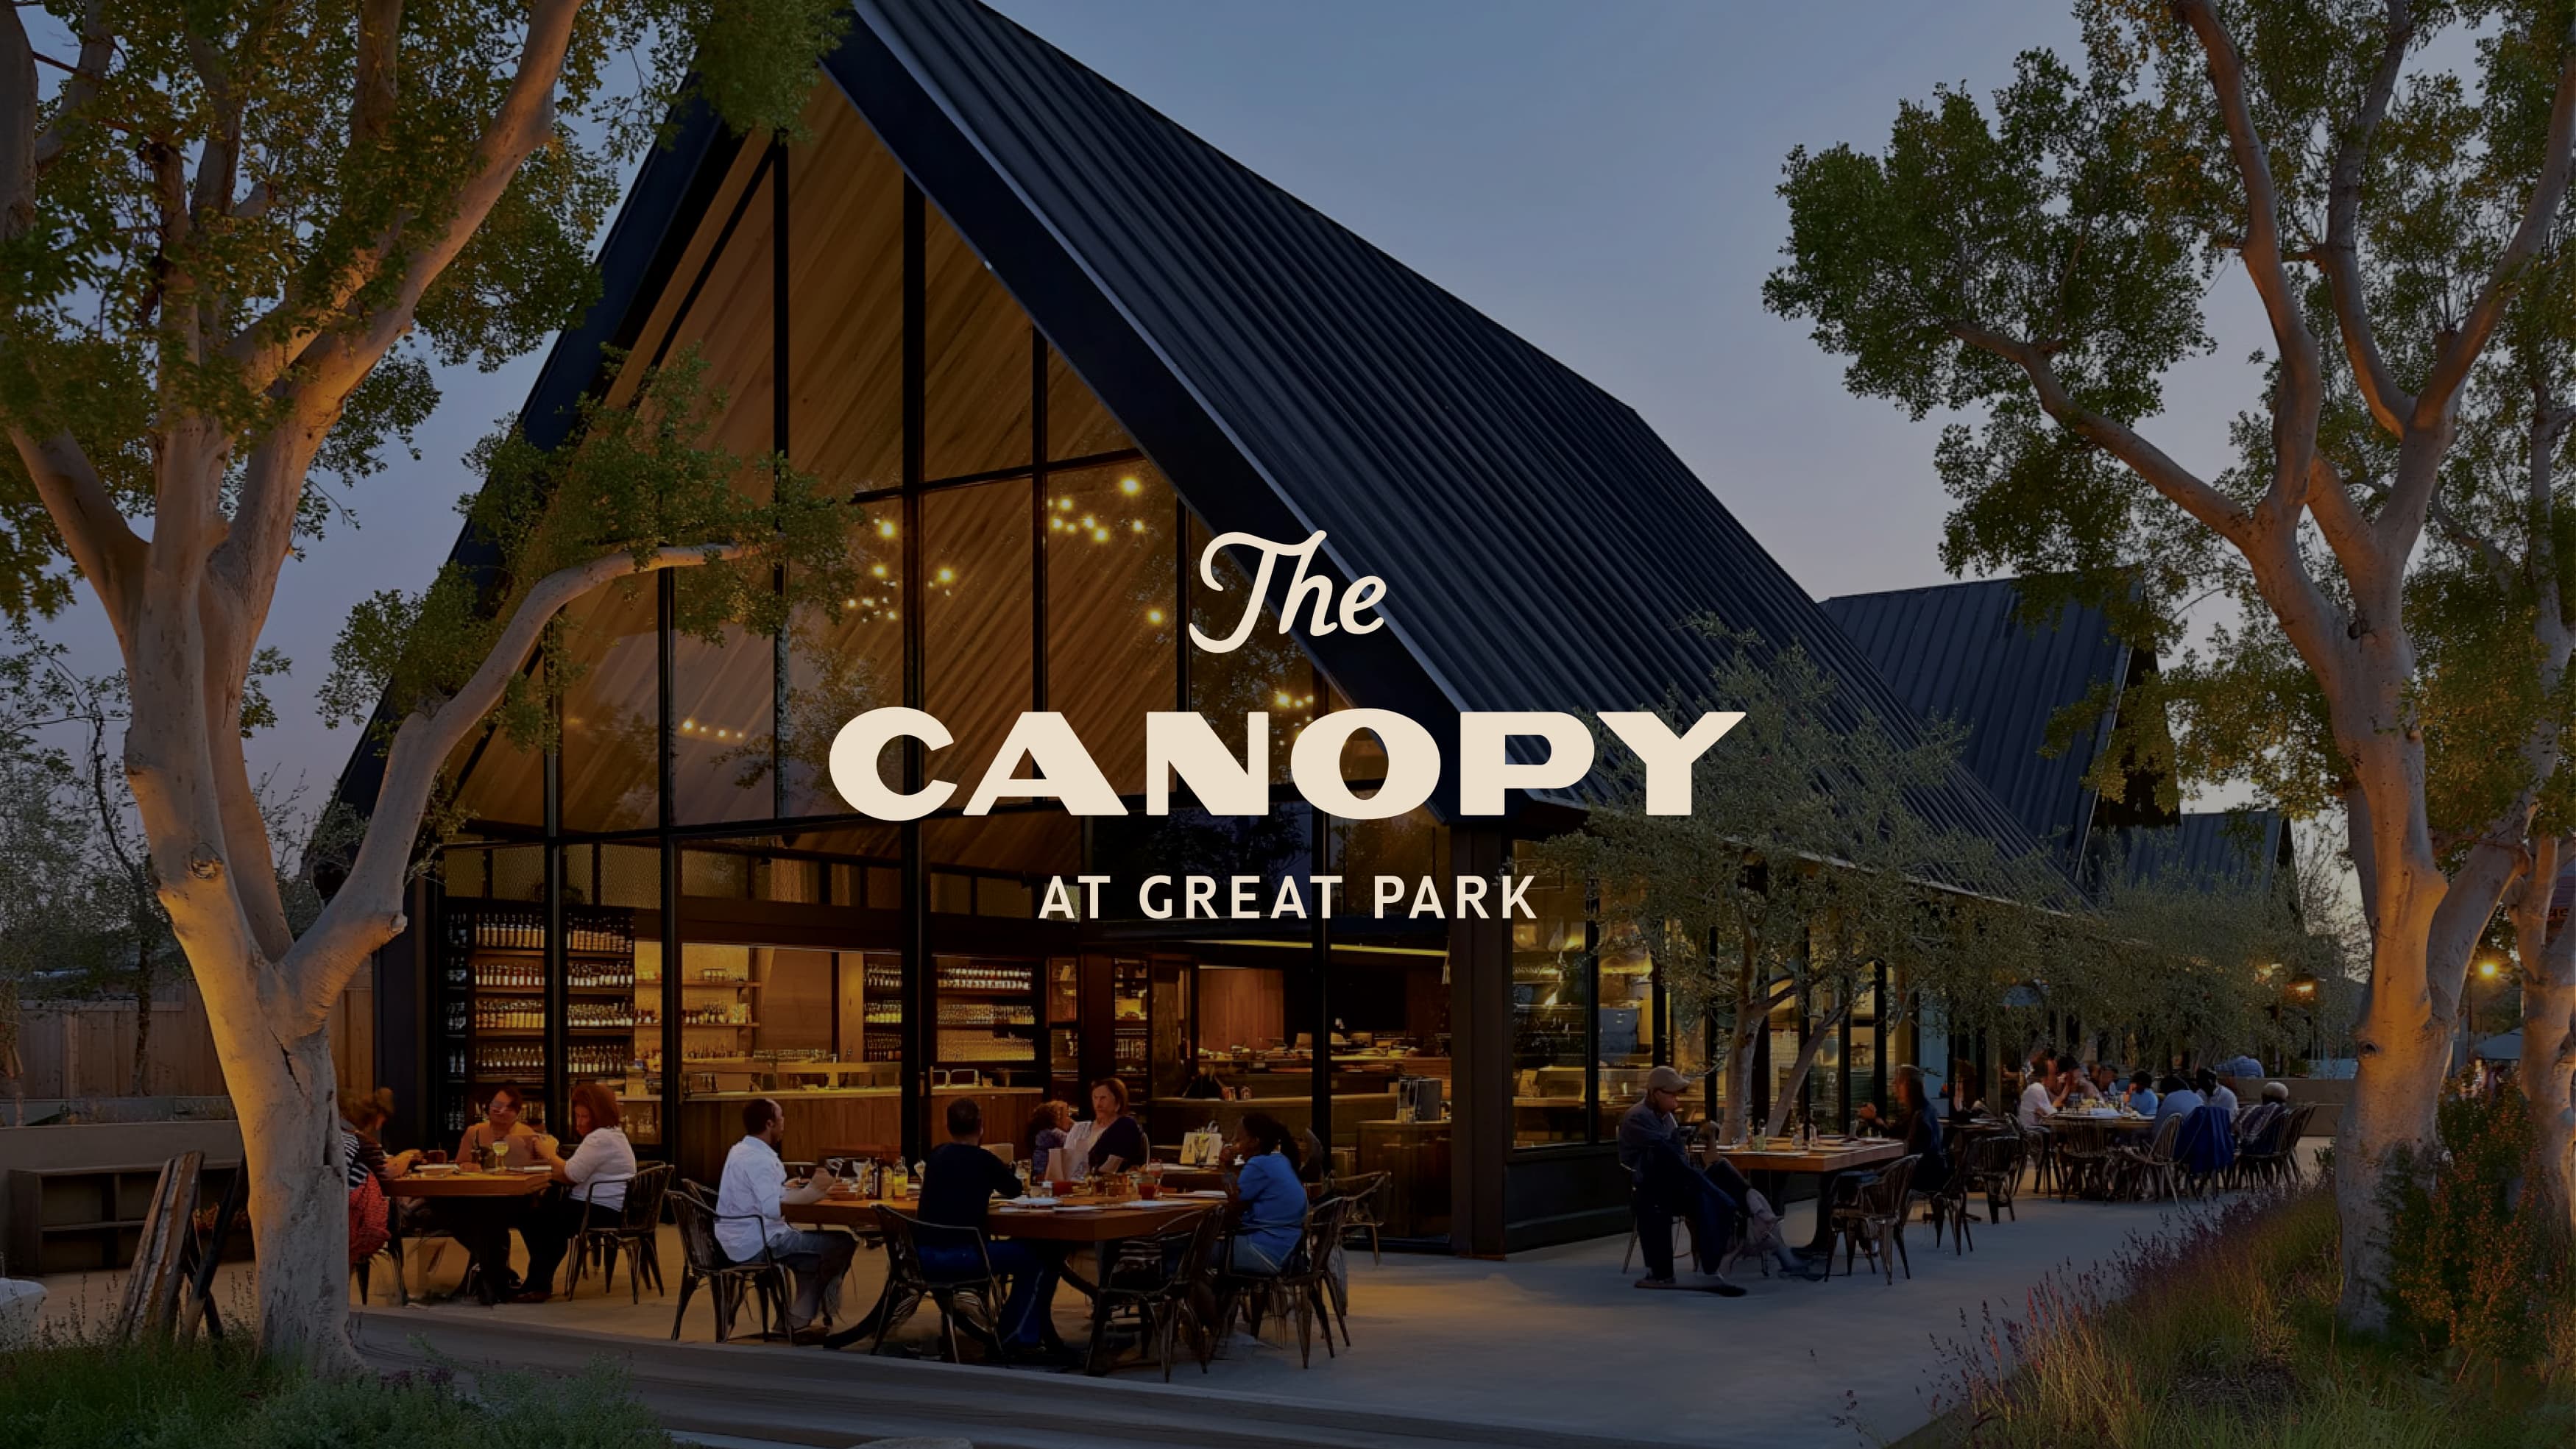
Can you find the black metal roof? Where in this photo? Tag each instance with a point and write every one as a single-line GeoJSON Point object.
{"type": "Point", "coordinates": [1542, 547]}
{"type": "Point", "coordinates": [1963, 652]}
{"type": "Point", "coordinates": [2232, 847]}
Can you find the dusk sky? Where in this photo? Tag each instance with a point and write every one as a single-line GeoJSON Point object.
{"type": "Point", "coordinates": [1598, 178]}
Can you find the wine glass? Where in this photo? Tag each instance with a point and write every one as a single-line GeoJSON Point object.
{"type": "Point", "coordinates": [1020, 1170]}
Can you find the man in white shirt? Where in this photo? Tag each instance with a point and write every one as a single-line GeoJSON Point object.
{"type": "Point", "coordinates": [748, 1219]}
{"type": "Point", "coordinates": [2037, 1100]}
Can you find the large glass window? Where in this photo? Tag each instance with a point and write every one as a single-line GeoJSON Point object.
{"type": "Point", "coordinates": [845, 270]}
{"type": "Point", "coordinates": [1267, 672]}
{"type": "Point", "coordinates": [722, 727]}
{"type": "Point", "coordinates": [843, 659]}
{"type": "Point", "coordinates": [1552, 976]}
{"type": "Point", "coordinates": [976, 620]}
{"type": "Point", "coordinates": [612, 710]}
{"type": "Point", "coordinates": [1077, 425]}
{"type": "Point", "coordinates": [976, 373]}
{"type": "Point", "coordinates": [1112, 625]}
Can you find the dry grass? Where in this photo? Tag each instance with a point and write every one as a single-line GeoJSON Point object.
{"type": "Point", "coordinates": [2220, 1332]}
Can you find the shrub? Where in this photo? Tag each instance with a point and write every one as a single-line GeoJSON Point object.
{"type": "Point", "coordinates": [217, 1395]}
{"type": "Point", "coordinates": [2470, 1278]}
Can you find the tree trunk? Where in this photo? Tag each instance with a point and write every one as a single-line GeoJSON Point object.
{"type": "Point", "coordinates": [2548, 1038]}
{"type": "Point", "coordinates": [1817, 1035]}
{"type": "Point", "coordinates": [283, 1091]}
{"type": "Point", "coordinates": [2390, 1127]}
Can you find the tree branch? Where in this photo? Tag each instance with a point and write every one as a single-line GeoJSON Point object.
{"type": "Point", "coordinates": [368, 911]}
{"type": "Point", "coordinates": [97, 48]}
{"type": "Point", "coordinates": [2143, 458]}
{"type": "Point", "coordinates": [102, 545]}
{"type": "Point", "coordinates": [2295, 411]}
{"type": "Point", "coordinates": [2458, 352]}
{"type": "Point", "coordinates": [335, 362]}
{"type": "Point", "coordinates": [2340, 257]}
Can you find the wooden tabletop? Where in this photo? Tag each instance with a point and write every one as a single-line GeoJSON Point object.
{"type": "Point", "coordinates": [2087, 1119]}
{"type": "Point", "coordinates": [1823, 1157]}
{"type": "Point", "coordinates": [470, 1184]}
{"type": "Point", "coordinates": [1107, 1224]}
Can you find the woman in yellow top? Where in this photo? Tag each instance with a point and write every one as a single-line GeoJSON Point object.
{"type": "Point", "coordinates": [501, 1124]}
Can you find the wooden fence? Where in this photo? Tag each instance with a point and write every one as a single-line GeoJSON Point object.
{"type": "Point", "coordinates": [86, 1048]}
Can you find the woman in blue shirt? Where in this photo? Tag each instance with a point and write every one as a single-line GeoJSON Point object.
{"type": "Point", "coordinates": [1272, 1199]}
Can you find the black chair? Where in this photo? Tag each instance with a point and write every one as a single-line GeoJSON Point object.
{"type": "Point", "coordinates": [1366, 1194]}
{"type": "Point", "coordinates": [694, 1208]}
{"type": "Point", "coordinates": [1949, 1203]}
{"type": "Point", "coordinates": [1873, 1222]}
{"type": "Point", "coordinates": [1300, 1286]}
{"type": "Point", "coordinates": [1160, 1282]}
{"type": "Point", "coordinates": [975, 1296]}
{"type": "Point", "coordinates": [638, 1232]}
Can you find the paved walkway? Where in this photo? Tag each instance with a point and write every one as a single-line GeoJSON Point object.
{"type": "Point", "coordinates": [1551, 1347]}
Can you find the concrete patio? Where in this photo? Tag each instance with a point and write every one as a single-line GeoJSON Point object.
{"type": "Point", "coordinates": [1552, 1347]}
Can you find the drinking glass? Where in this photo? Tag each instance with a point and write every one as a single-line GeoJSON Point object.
{"type": "Point", "coordinates": [1020, 1170]}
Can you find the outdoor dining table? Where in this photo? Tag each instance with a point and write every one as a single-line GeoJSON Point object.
{"type": "Point", "coordinates": [1828, 1160]}
{"type": "Point", "coordinates": [465, 1194]}
{"type": "Point", "coordinates": [1098, 1226]}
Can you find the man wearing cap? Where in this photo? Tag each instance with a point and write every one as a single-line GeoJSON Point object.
{"type": "Point", "coordinates": [1667, 1186]}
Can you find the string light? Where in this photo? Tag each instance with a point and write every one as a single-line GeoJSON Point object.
{"type": "Point", "coordinates": [885, 528]}
{"type": "Point", "coordinates": [1153, 616]}
{"type": "Point", "coordinates": [876, 571]}
{"type": "Point", "coordinates": [947, 575]}
{"type": "Point", "coordinates": [1130, 487]}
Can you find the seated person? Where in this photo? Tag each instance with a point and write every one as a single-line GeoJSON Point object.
{"type": "Point", "coordinates": [2142, 1094]}
{"type": "Point", "coordinates": [2040, 1097]}
{"type": "Point", "coordinates": [595, 1175]}
{"type": "Point", "coordinates": [2175, 1099]}
{"type": "Point", "coordinates": [2256, 1120]}
{"type": "Point", "coordinates": [2217, 1094]}
{"type": "Point", "coordinates": [1111, 1141]}
{"type": "Point", "coordinates": [1915, 1121]}
{"type": "Point", "coordinates": [500, 1124]}
{"type": "Point", "coordinates": [1272, 1200]}
{"type": "Point", "coordinates": [1967, 1092]}
{"type": "Point", "coordinates": [1048, 1125]}
{"type": "Point", "coordinates": [958, 1182]}
{"type": "Point", "coordinates": [367, 1170]}
{"type": "Point", "coordinates": [749, 1222]}
{"type": "Point", "coordinates": [1665, 1186]}
{"type": "Point", "coordinates": [2104, 1082]}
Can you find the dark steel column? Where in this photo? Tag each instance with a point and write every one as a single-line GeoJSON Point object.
{"type": "Point", "coordinates": [674, 1067]}
{"type": "Point", "coordinates": [1480, 1058]}
{"type": "Point", "coordinates": [920, 1015]}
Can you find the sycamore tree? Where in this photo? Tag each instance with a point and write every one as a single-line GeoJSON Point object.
{"type": "Point", "coordinates": [2042, 262]}
{"type": "Point", "coordinates": [2545, 954]}
{"type": "Point", "coordinates": [236, 235]}
{"type": "Point", "coordinates": [1805, 865]}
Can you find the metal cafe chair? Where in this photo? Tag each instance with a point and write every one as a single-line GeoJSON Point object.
{"type": "Point", "coordinates": [1300, 1286]}
{"type": "Point", "coordinates": [1158, 1281]}
{"type": "Point", "coordinates": [975, 1295]}
{"type": "Point", "coordinates": [637, 1232]}
{"type": "Point", "coordinates": [704, 1262]}
{"type": "Point", "coordinates": [1873, 1222]}
{"type": "Point", "coordinates": [1367, 1193]}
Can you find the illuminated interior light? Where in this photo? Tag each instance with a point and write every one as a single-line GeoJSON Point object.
{"type": "Point", "coordinates": [885, 528]}
{"type": "Point", "coordinates": [688, 724]}
{"type": "Point", "coordinates": [1130, 487]}
{"type": "Point", "coordinates": [1064, 503]}
{"type": "Point", "coordinates": [877, 571]}
{"type": "Point", "coordinates": [947, 575]}
{"type": "Point", "coordinates": [1135, 525]}
{"type": "Point", "coordinates": [1282, 699]}
{"type": "Point", "coordinates": [1153, 616]}
{"type": "Point", "coordinates": [1100, 535]}
{"type": "Point", "coordinates": [1088, 522]}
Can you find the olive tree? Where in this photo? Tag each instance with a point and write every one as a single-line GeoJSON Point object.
{"type": "Point", "coordinates": [236, 234]}
{"type": "Point", "coordinates": [2042, 263]}
{"type": "Point", "coordinates": [1805, 864]}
